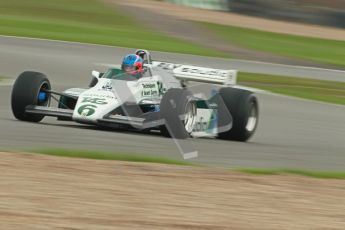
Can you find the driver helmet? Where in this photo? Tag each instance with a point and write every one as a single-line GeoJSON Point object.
{"type": "Point", "coordinates": [132, 64]}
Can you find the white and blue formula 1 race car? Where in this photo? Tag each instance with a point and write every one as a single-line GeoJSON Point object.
{"type": "Point", "coordinates": [164, 99]}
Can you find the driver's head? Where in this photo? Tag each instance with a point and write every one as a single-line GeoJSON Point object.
{"type": "Point", "coordinates": [132, 64]}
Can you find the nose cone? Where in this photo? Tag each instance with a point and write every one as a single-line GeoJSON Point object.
{"type": "Point", "coordinates": [95, 103]}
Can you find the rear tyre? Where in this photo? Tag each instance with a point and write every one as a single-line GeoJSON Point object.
{"type": "Point", "coordinates": [244, 109]}
{"type": "Point", "coordinates": [178, 109]}
{"type": "Point", "coordinates": [28, 89]}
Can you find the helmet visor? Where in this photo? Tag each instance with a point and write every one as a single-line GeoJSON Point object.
{"type": "Point", "coordinates": [129, 68]}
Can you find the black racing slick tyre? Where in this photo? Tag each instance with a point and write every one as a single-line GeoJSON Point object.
{"type": "Point", "coordinates": [178, 110]}
{"type": "Point", "coordinates": [244, 109]}
{"type": "Point", "coordinates": [28, 89]}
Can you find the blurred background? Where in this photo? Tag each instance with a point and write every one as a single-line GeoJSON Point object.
{"type": "Point", "coordinates": [290, 53]}
{"type": "Point", "coordinates": [330, 12]}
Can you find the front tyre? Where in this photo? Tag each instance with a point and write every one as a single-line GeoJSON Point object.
{"type": "Point", "coordinates": [29, 89]}
{"type": "Point", "coordinates": [244, 109]}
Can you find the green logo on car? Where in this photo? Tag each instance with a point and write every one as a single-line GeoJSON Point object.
{"type": "Point", "coordinates": [92, 100]}
{"type": "Point", "coordinates": [87, 110]}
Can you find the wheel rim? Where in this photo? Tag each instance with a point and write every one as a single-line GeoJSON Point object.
{"type": "Point", "coordinates": [252, 119]}
{"type": "Point", "coordinates": [43, 97]}
{"type": "Point", "coordinates": [189, 118]}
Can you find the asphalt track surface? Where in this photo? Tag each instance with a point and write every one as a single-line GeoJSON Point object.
{"type": "Point", "coordinates": [292, 133]}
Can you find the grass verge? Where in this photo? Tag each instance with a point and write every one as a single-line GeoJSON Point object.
{"type": "Point", "coordinates": [88, 21]}
{"type": "Point", "coordinates": [325, 91]}
{"type": "Point", "coordinates": [152, 159]}
{"type": "Point", "coordinates": [314, 49]}
{"type": "Point", "coordinates": [301, 172]}
{"type": "Point", "coordinates": [110, 156]}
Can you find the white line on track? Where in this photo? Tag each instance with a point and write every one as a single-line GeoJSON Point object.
{"type": "Point", "coordinates": [302, 99]}
{"type": "Point", "coordinates": [254, 90]}
{"type": "Point", "coordinates": [241, 60]}
{"type": "Point", "coordinates": [6, 82]}
{"type": "Point", "coordinates": [291, 66]}
{"type": "Point", "coordinates": [108, 65]}
{"type": "Point", "coordinates": [61, 41]}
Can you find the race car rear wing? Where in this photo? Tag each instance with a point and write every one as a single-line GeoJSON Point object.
{"type": "Point", "coordinates": [199, 74]}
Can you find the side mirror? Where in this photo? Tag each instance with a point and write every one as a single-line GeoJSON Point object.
{"type": "Point", "coordinates": [96, 74]}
